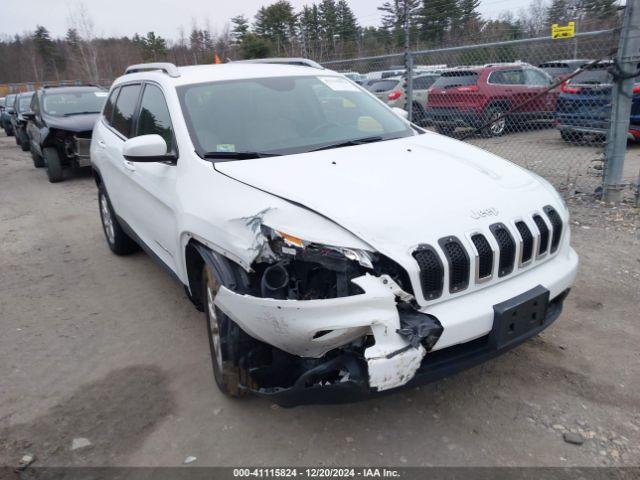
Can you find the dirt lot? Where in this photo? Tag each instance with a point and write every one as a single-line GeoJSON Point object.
{"type": "Point", "coordinates": [109, 349]}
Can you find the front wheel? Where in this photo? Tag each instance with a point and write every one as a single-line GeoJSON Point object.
{"type": "Point", "coordinates": [24, 142]}
{"type": "Point", "coordinates": [119, 242]}
{"type": "Point", "coordinates": [223, 341]}
{"type": "Point", "coordinates": [54, 165]}
{"type": "Point", "coordinates": [38, 161]}
{"type": "Point", "coordinates": [498, 124]}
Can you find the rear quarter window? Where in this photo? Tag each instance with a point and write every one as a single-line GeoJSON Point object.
{"type": "Point", "coordinates": [109, 105]}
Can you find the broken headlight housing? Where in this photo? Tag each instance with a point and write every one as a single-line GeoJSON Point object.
{"type": "Point", "coordinates": [303, 270]}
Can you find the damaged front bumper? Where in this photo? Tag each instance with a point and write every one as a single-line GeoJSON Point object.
{"type": "Point", "coordinates": [468, 333]}
{"type": "Point", "coordinates": [311, 328]}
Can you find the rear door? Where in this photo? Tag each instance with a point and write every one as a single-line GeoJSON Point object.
{"type": "Point", "coordinates": [537, 82]}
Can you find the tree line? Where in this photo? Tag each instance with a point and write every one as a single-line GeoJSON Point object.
{"type": "Point", "coordinates": [324, 30]}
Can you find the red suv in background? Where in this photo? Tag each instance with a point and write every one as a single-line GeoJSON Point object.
{"type": "Point", "coordinates": [472, 96]}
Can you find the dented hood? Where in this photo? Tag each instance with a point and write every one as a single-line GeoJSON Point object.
{"type": "Point", "coordinates": [72, 123]}
{"type": "Point", "coordinates": [399, 193]}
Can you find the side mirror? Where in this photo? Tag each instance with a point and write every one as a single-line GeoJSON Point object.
{"type": "Point", "coordinates": [401, 113]}
{"type": "Point", "coordinates": [29, 115]}
{"type": "Point", "coordinates": [146, 148]}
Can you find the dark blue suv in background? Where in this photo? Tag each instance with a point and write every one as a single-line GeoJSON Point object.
{"type": "Point", "coordinates": [584, 106]}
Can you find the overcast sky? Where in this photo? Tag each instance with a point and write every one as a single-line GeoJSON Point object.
{"type": "Point", "coordinates": [126, 17]}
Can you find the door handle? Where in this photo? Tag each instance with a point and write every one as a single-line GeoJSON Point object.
{"type": "Point", "coordinates": [101, 144]}
{"type": "Point", "coordinates": [129, 165]}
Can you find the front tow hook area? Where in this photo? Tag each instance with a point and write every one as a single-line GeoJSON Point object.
{"type": "Point", "coordinates": [348, 377]}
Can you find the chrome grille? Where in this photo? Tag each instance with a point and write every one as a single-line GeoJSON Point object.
{"type": "Point", "coordinates": [485, 256]}
{"type": "Point", "coordinates": [507, 248]}
{"type": "Point", "coordinates": [526, 250]}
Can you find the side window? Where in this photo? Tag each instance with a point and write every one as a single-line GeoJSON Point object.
{"type": "Point", "coordinates": [154, 115]}
{"type": "Point", "coordinates": [125, 108]}
{"type": "Point", "coordinates": [507, 77]}
{"type": "Point", "coordinates": [108, 106]}
{"type": "Point", "coordinates": [536, 79]}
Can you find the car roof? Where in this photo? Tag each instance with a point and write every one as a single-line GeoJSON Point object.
{"type": "Point", "coordinates": [72, 89]}
{"type": "Point", "coordinates": [226, 71]}
{"type": "Point", "coordinates": [26, 94]}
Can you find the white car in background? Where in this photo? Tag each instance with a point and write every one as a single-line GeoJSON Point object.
{"type": "Point", "coordinates": [336, 250]}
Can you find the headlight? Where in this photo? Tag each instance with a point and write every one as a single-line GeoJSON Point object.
{"type": "Point", "coordinates": [287, 244]}
{"type": "Point", "coordinates": [303, 270]}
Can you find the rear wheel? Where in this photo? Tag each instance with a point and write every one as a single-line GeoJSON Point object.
{"type": "Point", "coordinates": [223, 341]}
{"type": "Point", "coordinates": [54, 165]}
{"type": "Point", "coordinates": [498, 124]}
{"type": "Point", "coordinates": [119, 242]}
{"type": "Point", "coordinates": [38, 161]}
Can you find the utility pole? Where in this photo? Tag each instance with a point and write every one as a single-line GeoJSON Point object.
{"type": "Point", "coordinates": [627, 58]}
{"type": "Point", "coordinates": [408, 64]}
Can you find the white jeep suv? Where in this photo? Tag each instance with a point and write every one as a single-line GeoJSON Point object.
{"type": "Point", "coordinates": [336, 250]}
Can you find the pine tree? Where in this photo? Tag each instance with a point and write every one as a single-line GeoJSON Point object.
{"type": "Point", "coordinates": [154, 47]}
{"type": "Point", "coordinates": [393, 19]}
{"type": "Point", "coordinates": [276, 24]}
{"type": "Point", "coordinates": [328, 15]}
{"type": "Point", "coordinates": [558, 12]}
{"type": "Point", "coordinates": [346, 23]}
{"type": "Point", "coordinates": [310, 31]}
{"type": "Point", "coordinates": [240, 27]}
{"type": "Point", "coordinates": [600, 9]}
{"type": "Point", "coordinates": [437, 18]}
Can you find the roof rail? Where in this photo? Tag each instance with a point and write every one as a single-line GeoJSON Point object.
{"type": "Point", "coordinates": [301, 62]}
{"type": "Point", "coordinates": [168, 68]}
{"type": "Point", "coordinates": [72, 85]}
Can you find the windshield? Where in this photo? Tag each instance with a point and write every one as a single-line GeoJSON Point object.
{"type": "Point", "coordinates": [23, 103]}
{"type": "Point", "coordinates": [456, 79]}
{"type": "Point", "coordinates": [10, 100]}
{"type": "Point", "coordinates": [283, 115]}
{"type": "Point", "coordinates": [69, 103]}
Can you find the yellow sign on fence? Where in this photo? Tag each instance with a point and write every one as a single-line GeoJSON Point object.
{"type": "Point", "coordinates": [567, 31]}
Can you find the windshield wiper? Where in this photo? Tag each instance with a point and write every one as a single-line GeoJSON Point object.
{"type": "Point", "coordinates": [349, 143]}
{"type": "Point", "coordinates": [78, 113]}
{"type": "Point", "coordinates": [238, 155]}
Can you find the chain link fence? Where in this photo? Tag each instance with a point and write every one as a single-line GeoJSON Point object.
{"type": "Point", "coordinates": [501, 97]}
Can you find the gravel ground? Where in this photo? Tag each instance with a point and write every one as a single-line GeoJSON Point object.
{"type": "Point", "coordinates": [109, 350]}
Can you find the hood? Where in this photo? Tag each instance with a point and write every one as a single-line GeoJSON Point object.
{"type": "Point", "coordinates": [398, 194]}
{"type": "Point", "coordinates": [73, 123]}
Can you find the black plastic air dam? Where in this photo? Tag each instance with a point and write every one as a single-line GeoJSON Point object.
{"type": "Point", "coordinates": [436, 365]}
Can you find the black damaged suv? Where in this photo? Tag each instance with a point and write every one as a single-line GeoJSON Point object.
{"type": "Point", "coordinates": [60, 127]}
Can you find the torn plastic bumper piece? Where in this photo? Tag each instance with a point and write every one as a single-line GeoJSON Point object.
{"type": "Point", "coordinates": [312, 328]}
{"type": "Point", "coordinates": [436, 365]}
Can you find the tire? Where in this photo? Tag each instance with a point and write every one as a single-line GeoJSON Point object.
{"type": "Point", "coordinates": [496, 129]}
{"type": "Point", "coordinates": [224, 337]}
{"type": "Point", "coordinates": [54, 165]}
{"type": "Point", "coordinates": [24, 142]}
{"type": "Point", "coordinates": [570, 136]}
{"type": "Point", "coordinates": [445, 130]}
{"type": "Point", "coordinates": [9, 132]}
{"type": "Point", "coordinates": [16, 137]}
{"type": "Point", "coordinates": [38, 161]}
{"type": "Point", "coordinates": [119, 242]}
